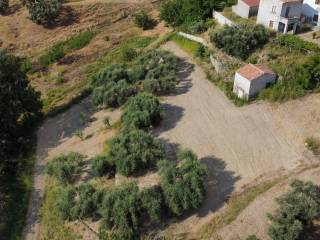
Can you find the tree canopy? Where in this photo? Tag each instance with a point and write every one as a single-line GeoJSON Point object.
{"type": "Point", "coordinates": [135, 150]}
{"type": "Point", "coordinates": [20, 106]}
{"type": "Point", "coordinates": [182, 183]}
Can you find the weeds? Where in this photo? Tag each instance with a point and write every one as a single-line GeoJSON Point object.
{"type": "Point", "coordinates": [313, 145]}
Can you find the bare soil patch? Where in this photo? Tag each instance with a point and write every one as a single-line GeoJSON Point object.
{"type": "Point", "coordinates": [238, 145]}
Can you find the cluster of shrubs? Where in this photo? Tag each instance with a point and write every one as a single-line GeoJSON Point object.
{"type": "Point", "coordinates": [143, 20]}
{"type": "Point", "coordinates": [240, 40]}
{"type": "Point", "coordinates": [298, 209]}
{"type": "Point", "coordinates": [187, 12]}
{"type": "Point", "coordinates": [154, 72]}
{"type": "Point", "coordinates": [296, 43]}
{"type": "Point", "coordinates": [4, 5]}
{"type": "Point", "coordinates": [125, 209]}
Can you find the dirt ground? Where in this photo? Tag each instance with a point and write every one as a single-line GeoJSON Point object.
{"type": "Point", "coordinates": [254, 220]}
{"type": "Point", "coordinates": [238, 145]}
{"type": "Point", "coordinates": [56, 136]}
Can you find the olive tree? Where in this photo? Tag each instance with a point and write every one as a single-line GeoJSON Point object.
{"type": "Point", "coordinates": [183, 183]}
{"type": "Point", "coordinates": [143, 111]}
{"type": "Point", "coordinates": [135, 150]}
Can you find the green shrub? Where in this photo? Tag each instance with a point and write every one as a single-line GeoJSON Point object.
{"type": "Point", "coordinates": [112, 73]}
{"type": "Point", "coordinates": [313, 144]}
{"type": "Point", "coordinates": [101, 165]}
{"type": "Point", "coordinates": [79, 41]}
{"type": "Point", "coordinates": [135, 150]}
{"type": "Point", "coordinates": [79, 202]}
{"type": "Point", "coordinates": [202, 52]}
{"type": "Point", "coordinates": [298, 208]}
{"type": "Point", "coordinates": [4, 5]}
{"type": "Point", "coordinates": [143, 20]}
{"type": "Point", "coordinates": [44, 11]}
{"type": "Point", "coordinates": [240, 40]}
{"type": "Point", "coordinates": [252, 237]}
{"type": "Point", "coordinates": [55, 53]}
{"type": "Point", "coordinates": [128, 54]}
{"type": "Point", "coordinates": [178, 12]}
{"type": "Point", "coordinates": [296, 43]}
{"type": "Point", "coordinates": [121, 211]}
{"type": "Point", "coordinates": [136, 73]}
{"type": "Point", "coordinates": [151, 203]}
{"type": "Point", "coordinates": [65, 167]}
{"type": "Point", "coordinates": [143, 111]}
{"type": "Point", "coordinates": [113, 94]}
{"type": "Point", "coordinates": [161, 86]}
{"type": "Point", "coordinates": [183, 183]}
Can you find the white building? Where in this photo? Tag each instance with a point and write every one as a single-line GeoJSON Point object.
{"type": "Point", "coordinates": [246, 8]}
{"type": "Point", "coordinates": [251, 79]}
{"type": "Point", "coordinates": [311, 10]}
{"type": "Point", "coordinates": [280, 15]}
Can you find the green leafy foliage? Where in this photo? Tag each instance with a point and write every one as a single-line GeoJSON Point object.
{"type": "Point", "coordinates": [143, 20]}
{"type": "Point", "coordinates": [4, 5]}
{"type": "Point", "coordinates": [44, 11]}
{"type": "Point", "coordinates": [252, 237]}
{"type": "Point", "coordinates": [20, 107]}
{"type": "Point", "coordinates": [240, 40]}
{"type": "Point", "coordinates": [124, 209]}
{"type": "Point", "coordinates": [79, 202]}
{"type": "Point", "coordinates": [143, 111]}
{"type": "Point", "coordinates": [59, 49]}
{"type": "Point", "coordinates": [134, 151]}
{"type": "Point", "coordinates": [101, 165]}
{"type": "Point", "coordinates": [179, 12]}
{"type": "Point", "coordinates": [121, 211]}
{"type": "Point", "coordinates": [296, 43]}
{"type": "Point", "coordinates": [65, 167]}
{"type": "Point", "coordinates": [298, 208]}
{"type": "Point", "coordinates": [183, 183]}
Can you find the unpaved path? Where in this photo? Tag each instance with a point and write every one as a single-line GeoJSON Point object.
{"type": "Point", "coordinates": [56, 136]}
{"type": "Point", "coordinates": [238, 145]}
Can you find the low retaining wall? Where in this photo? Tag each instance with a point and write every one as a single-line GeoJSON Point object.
{"type": "Point", "coordinates": [221, 19]}
{"type": "Point", "coordinates": [194, 38]}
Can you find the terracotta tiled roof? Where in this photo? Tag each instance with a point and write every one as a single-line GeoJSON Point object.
{"type": "Point", "coordinates": [252, 72]}
{"type": "Point", "coordinates": [252, 3]}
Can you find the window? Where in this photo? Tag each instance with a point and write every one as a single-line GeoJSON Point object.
{"type": "Point", "coordinates": [271, 24]}
{"type": "Point", "coordinates": [317, 1]}
{"type": "Point", "coordinates": [315, 18]}
{"type": "Point", "coordinates": [274, 8]}
{"type": "Point", "coordinates": [287, 12]}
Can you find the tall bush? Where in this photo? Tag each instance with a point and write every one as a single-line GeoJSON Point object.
{"type": "Point", "coordinates": [240, 40]}
{"type": "Point", "coordinates": [134, 151]}
{"type": "Point", "coordinates": [143, 111]}
{"type": "Point", "coordinates": [44, 11]}
{"type": "Point", "coordinates": [298, 209]}
{"type": "Point", "coordinates": [183, 183]}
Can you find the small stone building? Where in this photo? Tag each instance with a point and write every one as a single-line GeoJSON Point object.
{"type": "Point", "coordinates": [246, 8]}
{"type": "Point", "coordinates": [251, 79]}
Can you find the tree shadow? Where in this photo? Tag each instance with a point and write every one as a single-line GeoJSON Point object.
{"type": "Point", "coordinates": [70, 59]}
{"type": "Point", "coordinates": [183, 76]}
{"type": "Point", "coordinates": [219, 185]}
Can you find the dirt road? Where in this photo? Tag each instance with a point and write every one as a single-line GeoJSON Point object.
{"type": "Point", "coordinates": [56, 136]}
{"type": "Point", "coordinates": [237, 144]}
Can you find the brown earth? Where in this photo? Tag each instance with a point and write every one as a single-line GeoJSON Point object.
{"type": "Point", "coordinates": [238, 145]}
{"type": "Point", "coordinates": [113, 19]}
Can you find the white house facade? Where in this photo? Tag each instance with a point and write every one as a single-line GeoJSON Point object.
{"type": "Point", "coordinates": [251, 79]}
{"type": "Point", "coordinates": [280, 15]}
{"type": "Point", "coordinates": [246, 8]}
{"type": "Point", "coordinates": [311, 10]}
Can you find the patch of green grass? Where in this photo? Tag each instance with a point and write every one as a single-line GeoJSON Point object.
{"type": "Point", "coordinates": [227, 12]}
{"type": "Point", "coordinates": [235, 206]}
{"type": "Point", "coordinates": [187, 45]}
{"type": "Point", "coordinates": [59, 49]}
{"type": "Point", "coordinates": [52, 224]}
{"type": "Point", "coordinates": [15, 189]}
